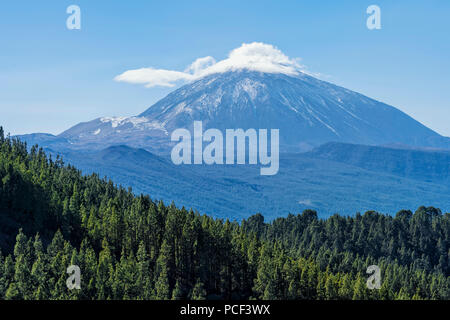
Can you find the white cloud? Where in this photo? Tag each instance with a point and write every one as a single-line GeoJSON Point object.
{"type": "Point", "coordinates": [153, 77]}
{"type": "Point", "coordinates": [256, 56]}
{"type": "Point", "coordinates": [200, 65]}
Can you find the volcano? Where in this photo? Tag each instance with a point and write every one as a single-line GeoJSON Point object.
{"type": "Point", "coordinates": [363, 154]}
{"type": "Point", "coordinates": [307, 111]}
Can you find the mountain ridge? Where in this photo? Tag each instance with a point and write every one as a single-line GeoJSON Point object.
{"type": "Point", "coordinates": [308, 180]}
{"type": "Point", "coordinates": [308, 112]}
{"type": "Point", "coordinates": [425, 165]}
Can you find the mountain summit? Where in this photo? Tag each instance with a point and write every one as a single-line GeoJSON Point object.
{"type": "Point", "coordinates": [308, 112]}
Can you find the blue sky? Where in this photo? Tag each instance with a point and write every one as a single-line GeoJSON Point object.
{"type": "Point", "coordinates": [52, 78]}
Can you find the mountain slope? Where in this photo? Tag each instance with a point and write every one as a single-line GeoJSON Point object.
{"type": "Point", "coordinates": [433, 166]}
{"type": "Point", "coordinates": [305, 181]}
{"type": "Point", "coordinates": [308, 112]}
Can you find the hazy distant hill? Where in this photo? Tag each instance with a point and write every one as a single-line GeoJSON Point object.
{"type": "Point", "coordinates": [409, 163]}
{"type": "Point", "coordinates": [304, 181]}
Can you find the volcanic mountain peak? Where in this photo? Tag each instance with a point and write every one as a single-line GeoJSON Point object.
{"type": "Point", "coordinates": [307, 111]}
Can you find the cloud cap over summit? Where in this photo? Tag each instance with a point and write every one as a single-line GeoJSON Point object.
{"type": "Point", "coordinates": [255, 56]}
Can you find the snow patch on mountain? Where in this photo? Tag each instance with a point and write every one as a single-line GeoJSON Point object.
{"type": "Point", "coordinates": [248, 86]}
{"type": "Point", "coordinates": [118, 125]}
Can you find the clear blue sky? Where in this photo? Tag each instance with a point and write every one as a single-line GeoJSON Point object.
{"type": "Point", "coordinates": [52, 78]}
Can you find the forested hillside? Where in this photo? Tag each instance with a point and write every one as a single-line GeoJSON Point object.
{"type": "Point", "coordinates": [133, 247]}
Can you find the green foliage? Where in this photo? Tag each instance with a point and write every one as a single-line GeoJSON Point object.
{"type": "Point", "coordinates": [130, 247]}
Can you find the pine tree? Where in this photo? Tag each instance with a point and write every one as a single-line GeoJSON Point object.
{"type": "Point", "coordinates": [13, 292]}
{"type": "Point", "coordinates": [162, 284]}
{"type": "Point", "coordinates": [2, 275]}
{"type": "Point", "coordinates": [144, 272]}
{"type": "Point", "coordinates": [22, 268]}
{"type": "Point", "coordinates": [105, 272]}
{"type": "Point", "coordinates": [360, 290]}
{"type": "Point", "coordinates": [39, 273]}
{"type": "Point", "coordinates": [177, 293]}
{"type": "Point", "coordinates": [198, 292]}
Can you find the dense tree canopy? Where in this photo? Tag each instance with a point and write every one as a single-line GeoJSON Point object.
{"type": "Point", "coordinates": [131, 247]}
